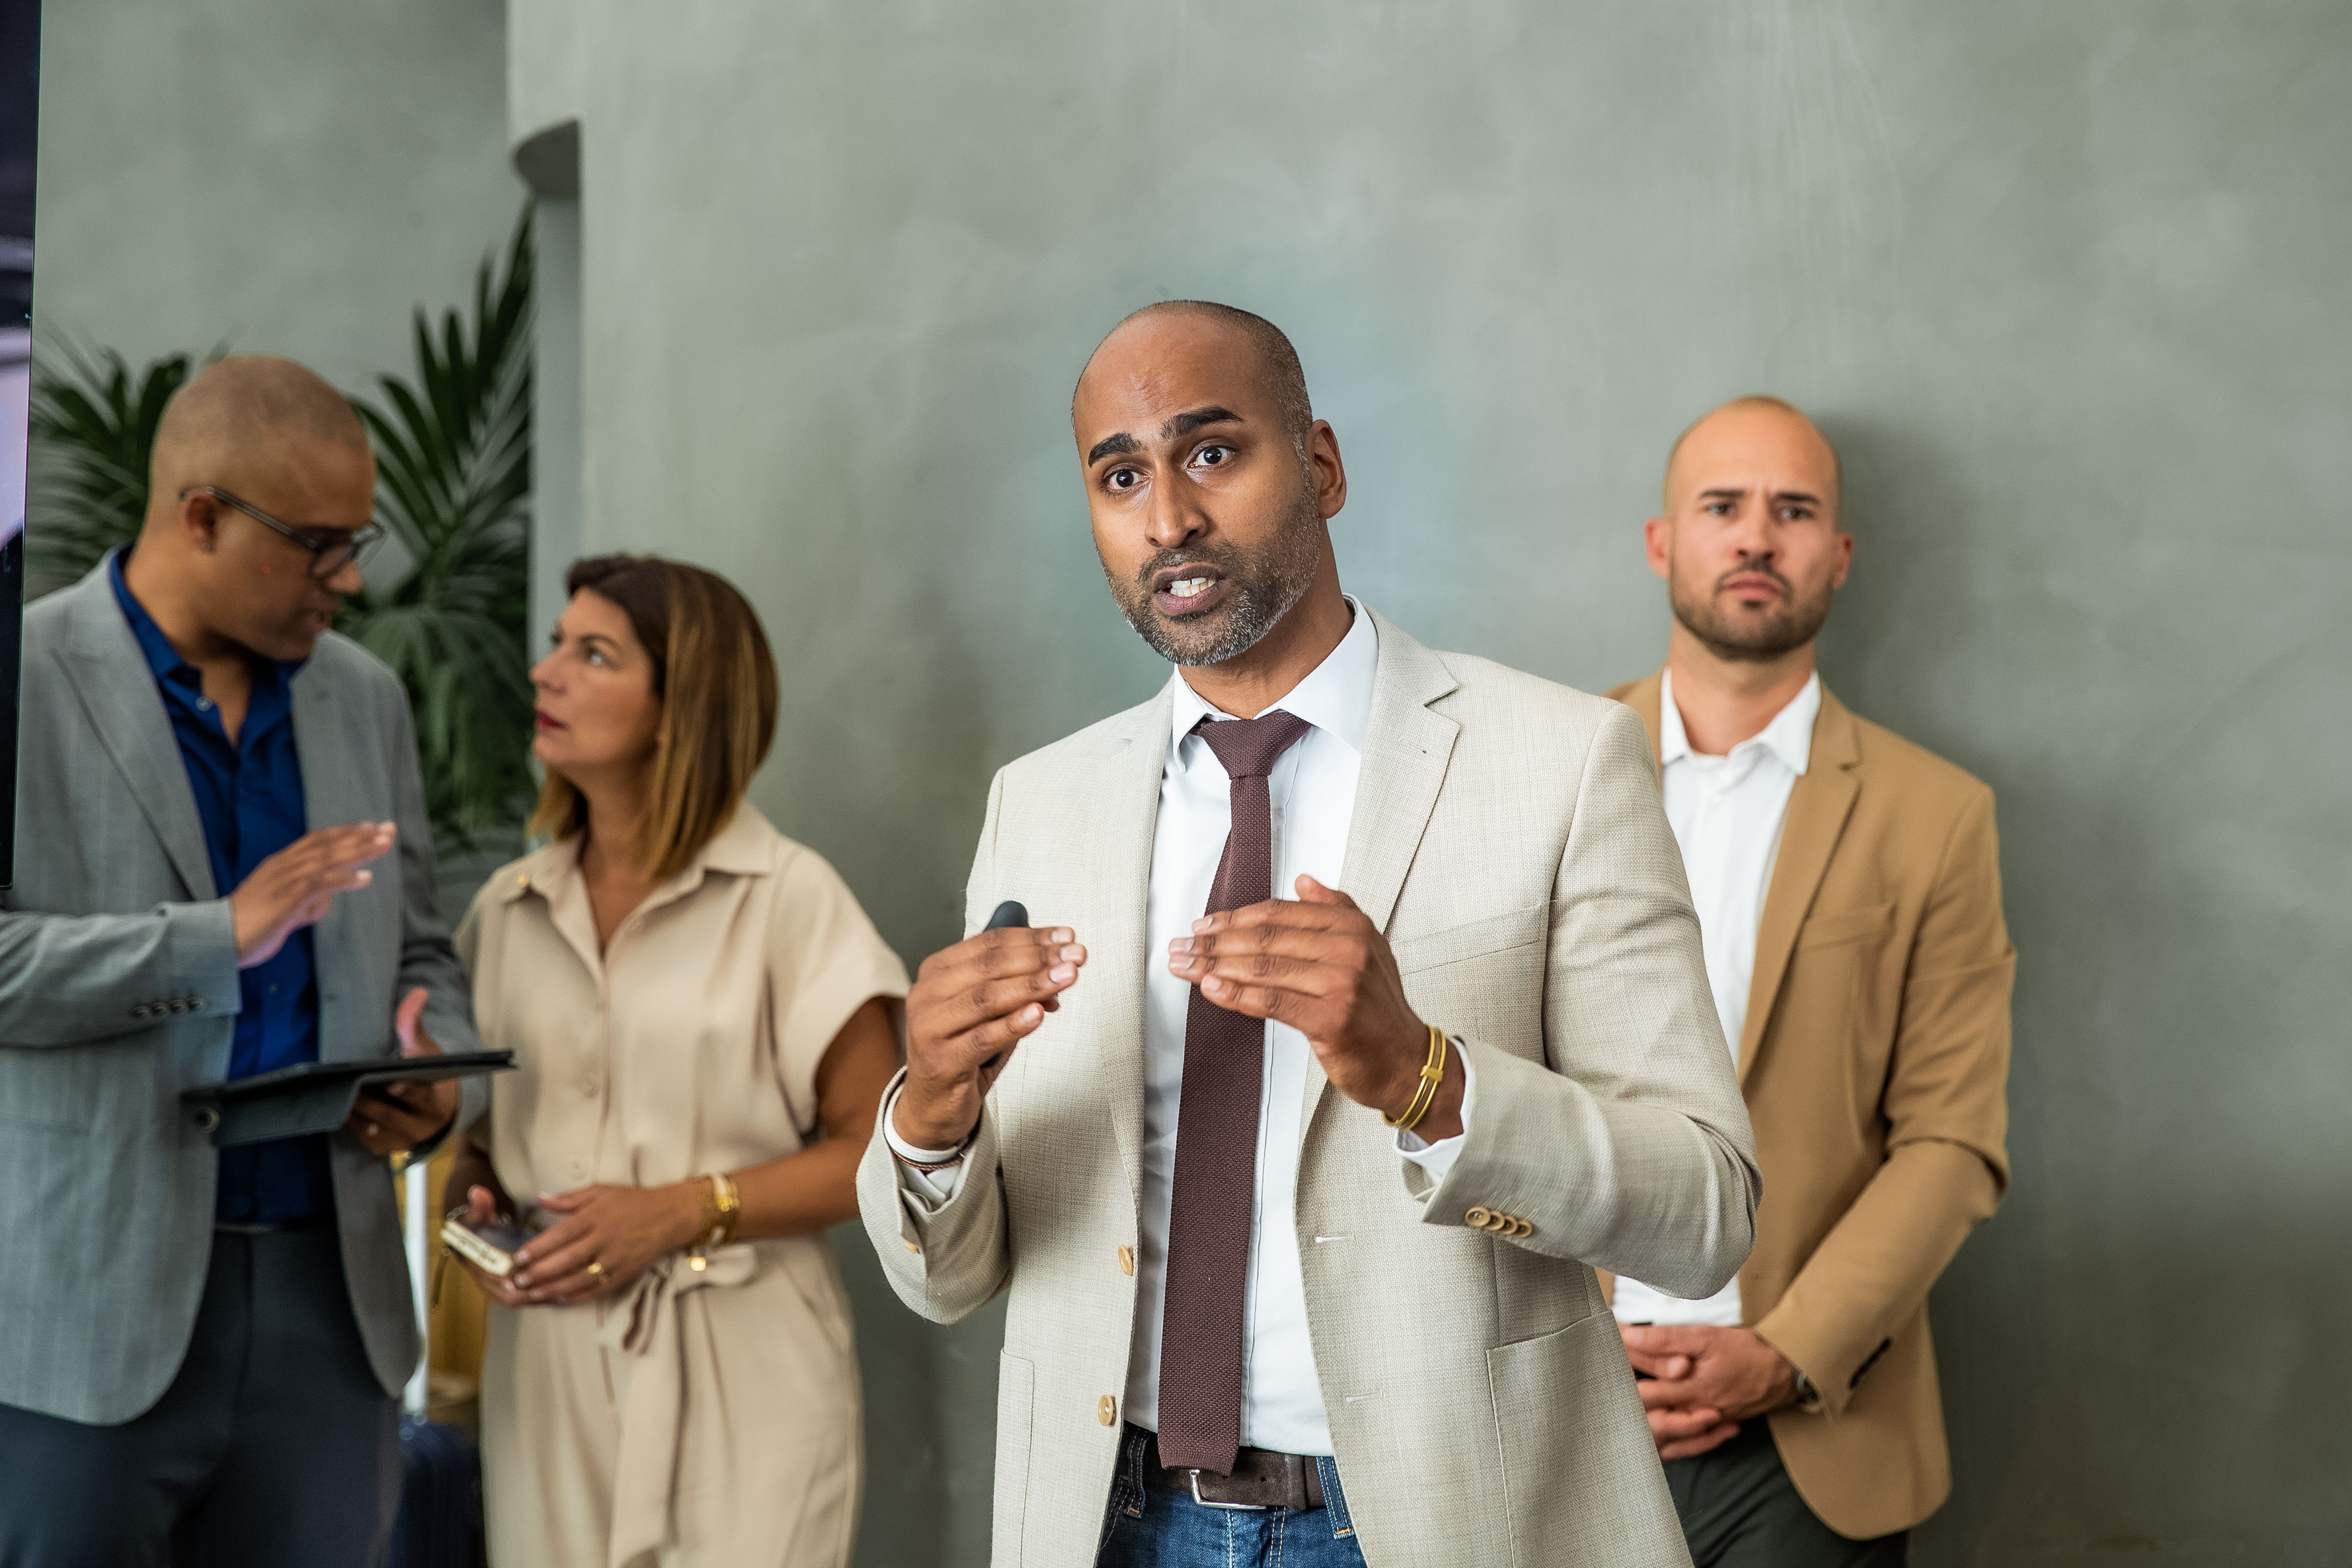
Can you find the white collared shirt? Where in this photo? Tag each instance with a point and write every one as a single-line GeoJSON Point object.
{"type": "Point", "coordinates": [1313, 793]}
{"type": "Point", "coordinates": [1726, 813]}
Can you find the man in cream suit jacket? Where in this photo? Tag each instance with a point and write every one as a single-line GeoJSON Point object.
{"type": "Point", "coordinates": [1848, 886]}
{"type": "Point", "coordinates": [1298, 1199]}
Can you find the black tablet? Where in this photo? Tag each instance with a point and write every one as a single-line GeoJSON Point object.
{"type": "Point", "coordinates": [316, 1097]}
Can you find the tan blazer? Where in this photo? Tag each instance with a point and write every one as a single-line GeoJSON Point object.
{"type": "Point", "coordinates": [1507, 836]}
{"type": "Point", "coordinates": [1875, 1066]}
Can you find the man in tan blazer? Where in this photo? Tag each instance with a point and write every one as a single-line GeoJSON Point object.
{"type": "Point", "coordinates": [1298, 1200]}
{"type": "Point", "coordinates": [1848, 887]}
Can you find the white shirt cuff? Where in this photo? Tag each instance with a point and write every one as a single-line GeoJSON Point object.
{"type": "Point", "coordinates": [1438, 1158]}
{"type": "Point", "coordinates": [934, 1187]}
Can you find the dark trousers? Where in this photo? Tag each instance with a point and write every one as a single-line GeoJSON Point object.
{"type": "Point", "coordinates": [1741, 1510]}
{"type": "Point", "coordinates": [274, 1447]}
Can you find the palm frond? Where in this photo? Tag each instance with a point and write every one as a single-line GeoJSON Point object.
{"type": "Point", "coordinates": [453, 488]}
{"type": "Point", "coordinates": [93, 424]}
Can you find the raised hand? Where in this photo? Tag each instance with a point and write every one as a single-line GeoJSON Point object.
{"type": "Point", "coordinates": [297, 886]}
{"type": "Point", "coordinates": [971, 1003]}
{"type": "Point", "coordinates": [1321, 966]}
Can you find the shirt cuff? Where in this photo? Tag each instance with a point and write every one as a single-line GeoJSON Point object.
{"type": "Point", "coordinates": [934, 1187]}
{"type": "Point", "coordinates": [1438, 1158]}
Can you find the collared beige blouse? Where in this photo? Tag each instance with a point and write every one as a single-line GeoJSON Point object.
{"type": "Point", "coordinates": [709, 1415]}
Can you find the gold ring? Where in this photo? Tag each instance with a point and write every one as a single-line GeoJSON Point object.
{"type": "Point", "coordinates": [596, 1270]}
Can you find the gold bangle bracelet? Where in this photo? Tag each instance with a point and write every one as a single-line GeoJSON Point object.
{"type": "Point", "coordinates": [723, 1209]}
{"type": "Point", "coordinates": [1424, 1092]}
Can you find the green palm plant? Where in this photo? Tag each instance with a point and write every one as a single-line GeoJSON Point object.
{"type": "Point", "coordinates": [92, 426]}
{"type": "Point", "coordinates": [453, 493]}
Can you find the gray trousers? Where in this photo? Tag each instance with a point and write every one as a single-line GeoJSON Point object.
{"type": "Point", "coordinates": [273, 1447]}
{"type": "Point", "coordinates": [1741, 1510]}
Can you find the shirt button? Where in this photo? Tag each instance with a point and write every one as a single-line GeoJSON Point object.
{"type": "Point", "coordinates": [1107, 1410]}
{"type": "Point", "coordinates": [1127, 1260]}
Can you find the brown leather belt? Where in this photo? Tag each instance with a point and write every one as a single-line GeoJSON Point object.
{"type": "Point", "coordinates": [1258, 1480]}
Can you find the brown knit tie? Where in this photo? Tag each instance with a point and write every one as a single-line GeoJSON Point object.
{"type": "Point", "coordinates": [1217, 1138]}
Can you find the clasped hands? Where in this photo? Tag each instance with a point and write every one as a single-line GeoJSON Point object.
{"type": "Point", "coordinates": [1318, 964]}
{"type": "Point", "coordinates": [1700, 1382]}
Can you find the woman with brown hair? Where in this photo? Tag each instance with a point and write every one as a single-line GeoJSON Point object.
{"type": "Point", "coordinates": [703, 1021]}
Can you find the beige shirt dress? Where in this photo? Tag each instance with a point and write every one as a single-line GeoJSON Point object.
{"type": "Point", "coordinates": [709, 1415]}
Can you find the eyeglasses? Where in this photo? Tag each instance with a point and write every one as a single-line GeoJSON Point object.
{"type": "Point", "coordinates": [328, 556]}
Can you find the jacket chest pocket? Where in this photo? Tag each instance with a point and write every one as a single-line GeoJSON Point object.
{"type": "Point", "coordinates": [1844, 928]}
{"type": "Point", "coordinates": [1483, 977]}
{"type": "Point", "coordinates": [1483, 938]}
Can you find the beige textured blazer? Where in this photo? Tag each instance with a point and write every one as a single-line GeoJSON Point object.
{"type": "Point", "coordinates": [1508, 835]}
{"type": "Point", "coordinates": [1876, 1068]}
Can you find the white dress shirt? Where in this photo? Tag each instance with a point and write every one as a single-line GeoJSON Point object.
{"type": "Point", "coordinates": [1313, 793]}
{"type": "Point", "coordinates": [1726, 814]}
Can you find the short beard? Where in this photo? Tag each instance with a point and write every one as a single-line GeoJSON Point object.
{"type": "Point", "coordinates": [1753, 638]}
{"type": "Point", "coordinates": [1266, 587]}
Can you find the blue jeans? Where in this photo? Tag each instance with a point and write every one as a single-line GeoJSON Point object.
{"type": "Point", "coordinates": [1145, 1529]}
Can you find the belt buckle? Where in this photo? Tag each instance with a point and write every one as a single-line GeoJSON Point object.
{"type": "Point", "coordinates": [1232, 1507]}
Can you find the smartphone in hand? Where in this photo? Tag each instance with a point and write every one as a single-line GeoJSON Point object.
{"type": "Point", "coordinates": [490, 1247]}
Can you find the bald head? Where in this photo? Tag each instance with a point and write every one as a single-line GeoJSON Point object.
{"type": "Point", "coordinates": [1273, 362]}
{"type": "Point", "coordinates": [244, 421]}
{"type": "Point", "coordinates": [1747, 425]}
{"type": "Point", "coordinates": [261, 487]}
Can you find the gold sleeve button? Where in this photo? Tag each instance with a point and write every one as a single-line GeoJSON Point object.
{"type": "Point", "coordinates": [1127, 1260]}
{"type": "Point", "coordinates": [1478, 1219]}
{"type": "Point", "coordinates": [1109, 1410]}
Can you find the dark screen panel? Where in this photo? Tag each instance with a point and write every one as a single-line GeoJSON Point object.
{"type": "Point", "coordinates": [20, 72]}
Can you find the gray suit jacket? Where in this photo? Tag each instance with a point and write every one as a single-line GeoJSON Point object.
{"type": "Point", "coordinates": [1508, 838]}
{"type": "Point", "coordinates": [118, 989]}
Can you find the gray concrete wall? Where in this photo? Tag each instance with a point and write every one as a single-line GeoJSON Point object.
{"type": "Point", "coordinates": [2066, 282]}
{"type": "Point", "coordinates": [289, 177]}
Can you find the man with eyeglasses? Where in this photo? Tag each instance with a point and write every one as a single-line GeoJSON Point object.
{"type": "Point", "coordinates": [224, 868]}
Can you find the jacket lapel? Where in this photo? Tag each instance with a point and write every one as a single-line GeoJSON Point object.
{"type": "Point", "coordinates": [1118, 814]}
{"type": "Point", "coordinates": [331, 798]}
{"type": "Point", "coordinates": [111, 678]}
{"type": "Point", "coordinates": [1818, 807]}
{"type": "Point", "coordinates": [1407, 748]}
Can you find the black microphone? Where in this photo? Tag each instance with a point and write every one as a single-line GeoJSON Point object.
{"type": "Point", "coordinates": [1011, 915]}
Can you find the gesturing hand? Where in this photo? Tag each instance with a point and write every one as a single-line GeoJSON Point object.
{"type": "Point", "coordinates": [971, 1005]}
{"type": "Point", "coordinates": [1322, 967]}
{"type": "Point", "coordinates": [1700, 1382]}
{"type": "Point", "coordinates": [393, 1116]}
{"type": "Point", "coordinates": [297, 886]}
{"type": "Point", "coordinates": [607, 1237]}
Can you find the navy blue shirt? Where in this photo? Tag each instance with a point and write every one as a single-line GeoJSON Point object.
{"type": "Point", "coordinates": [249, 798]}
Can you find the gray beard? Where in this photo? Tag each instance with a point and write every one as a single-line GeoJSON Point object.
{"type": "Point", "coordinates": [1265, 588]}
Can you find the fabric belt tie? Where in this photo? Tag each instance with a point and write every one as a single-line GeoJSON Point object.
{"type": "Point", "coordinates": [644, 1325]}
{"type": "Point", "coordinates": [1215, 1185]}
